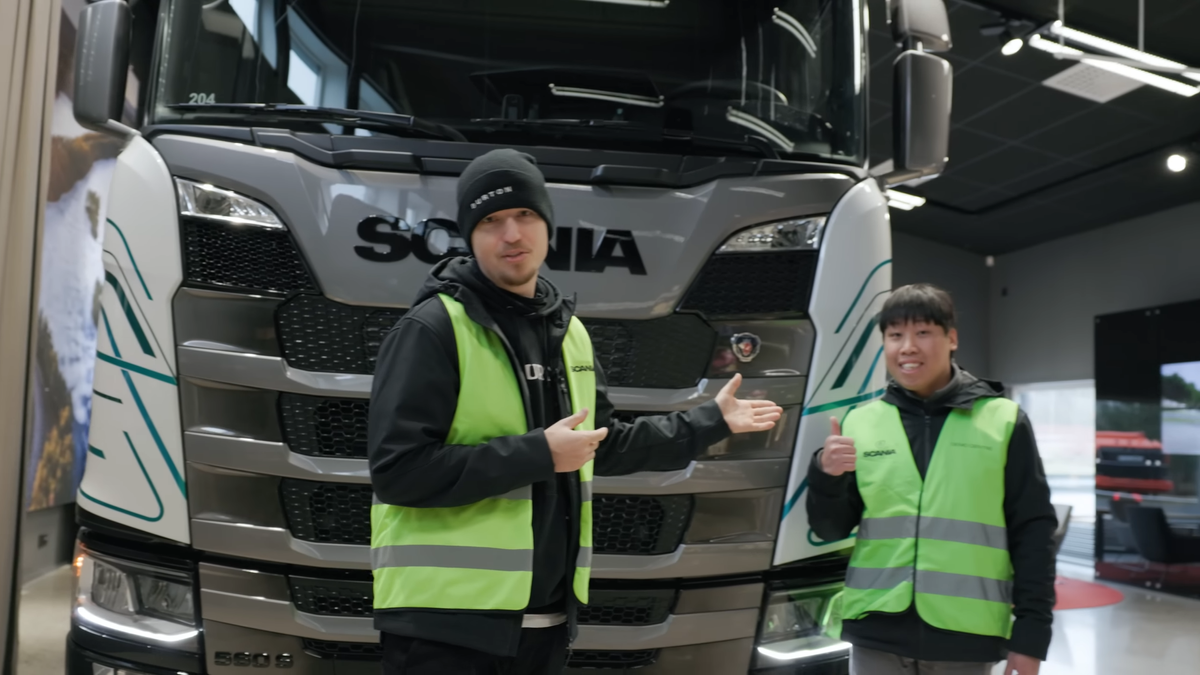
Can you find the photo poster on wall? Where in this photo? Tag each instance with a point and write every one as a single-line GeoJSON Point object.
{"type": "Point", "coordinates": [70, 278]}
{"type": "Point", "coordinates": [1148, 448]}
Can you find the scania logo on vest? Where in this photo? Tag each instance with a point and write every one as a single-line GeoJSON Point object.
{"type": "Point", "coordinates": [878, 453]}
{"type": "Point", "coordinates": [582, 369]}
{"type": "Point", "coordinates": [387, 239]}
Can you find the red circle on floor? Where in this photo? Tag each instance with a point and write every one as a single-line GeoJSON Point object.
{"type": "Point", "coordinates": [1076, 594]}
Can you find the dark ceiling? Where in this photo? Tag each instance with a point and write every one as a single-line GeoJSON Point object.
{"type": "Point", "coordinates": [1028, 163]}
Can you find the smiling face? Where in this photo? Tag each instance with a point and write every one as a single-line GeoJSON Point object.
{"type": "Point", "coordinates": [919, 355]}
{"type": "Point", "coordinates": [510, 246]}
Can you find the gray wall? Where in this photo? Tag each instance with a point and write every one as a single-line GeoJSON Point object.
{"type": "Point", "coordinates": [1042, 330]}
{"type": "Point", "coordinates": [965, 275]}
{"type": "Point", "coordinates": [47, 540]}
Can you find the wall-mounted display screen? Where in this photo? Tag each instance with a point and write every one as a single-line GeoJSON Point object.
{"type": "Point", "coordinates": [1148, 447]}
{"type": "Point", "coordinates": [1181, 408]}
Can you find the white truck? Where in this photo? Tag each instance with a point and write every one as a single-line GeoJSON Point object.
{"type": "Point", "coordinates": [288, 188]}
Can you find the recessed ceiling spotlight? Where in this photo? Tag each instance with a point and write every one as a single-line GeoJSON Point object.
{"type": "Point", "coordinates": [1009, 32]}
{"type": "Point", "coordinates": [1177, 163]}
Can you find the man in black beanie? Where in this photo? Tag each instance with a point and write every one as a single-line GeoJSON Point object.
{"type": "Point", "coordinates": [489, 416]}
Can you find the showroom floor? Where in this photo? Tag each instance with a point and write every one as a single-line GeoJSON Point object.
{"type": "Point", "coordinates": [1146, 632]}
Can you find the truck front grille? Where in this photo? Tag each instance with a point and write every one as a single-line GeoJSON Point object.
{"type": "Point", "coordinates": [243, 258]}
{"type": "Point", "coordinates": [349, 651]}
{"type": "Point", "coordinates": [591, 659]}
{"type": "Point", "coordinates": [324, 427]}
{"type": "Point", "coordinates": [640, 525]}
{"type": "Point", "coordinates": [746, 284]}
{"type": "Point", "coordinates": [336, 597]}
{"type": "Point", "coordinates": [318, 334]}
{"type": "Point", "coordinates": [327, 513]}
{"type": "Point", "coordinates": [612, 658]}
{"type": "Point", "coordinates": [331, 597]}
{"type": "Point", "coordinates": [627, 608]}
{"type": "Point", "coordinates": [340, 513]}
{"type": "Point", "coordinates": [672, 352]}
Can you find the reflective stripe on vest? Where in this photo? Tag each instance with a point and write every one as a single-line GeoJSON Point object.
{"type": "Point", "coordinates": [480, 556]}
{"type": "Point", "coordinates": [941, 542]}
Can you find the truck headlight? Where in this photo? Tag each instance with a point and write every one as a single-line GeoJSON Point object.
{"type": "Point", "coordinates": [797, 234]}
{"type": "Point", "coordinates": [136, 602]}
{"type": "Point", "coordinates": [200, 200]}
{"type": "Point", "coordinates": [801, 625]}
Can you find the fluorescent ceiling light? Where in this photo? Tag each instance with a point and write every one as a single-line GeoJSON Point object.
{"type": "Point", "coordinates": [614, 96]}
{"type": "Point", "coordinates": [1117, 49]}
{"type": "Point", "coordinates": [790, 24]}
{"type": "Point", "coordinates": [1177, 163]}
{"type": "Point", "coordinates": [903, 200]}
{"type": "Point", "coordinates": [637, 3]}
{"type": "Point", "coordinates": [1165, 83]}
{"type": "Point", "coordinates": [1012, 46]}
{"type": "Point", "coordinates": [754, 124]}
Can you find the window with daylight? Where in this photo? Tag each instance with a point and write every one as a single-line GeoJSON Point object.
{"type": "Point", "coordinates": [1064, 422]}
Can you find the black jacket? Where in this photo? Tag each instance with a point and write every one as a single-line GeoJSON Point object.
{"type": "Point", "coordinates": [835, 508]}
{"type": "Point", "coordinates": [414, 400]}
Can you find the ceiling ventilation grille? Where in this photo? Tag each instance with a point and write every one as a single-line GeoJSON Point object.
{"type": "Point", "coordinates": [1092, 83]}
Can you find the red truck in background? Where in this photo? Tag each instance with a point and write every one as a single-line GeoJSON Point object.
{"type": "Point", "coordinates": [1128, 461]}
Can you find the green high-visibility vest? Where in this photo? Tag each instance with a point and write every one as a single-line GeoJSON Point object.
{"type": "Point", "coordinates": [480, 556]}
{"type": "Point", "coordinates": [941, 542]}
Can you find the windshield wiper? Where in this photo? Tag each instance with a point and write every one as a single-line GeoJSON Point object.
{"type": "Point", "coordinates": [755, 144]}
{"type": "Point", "coordinates": [366, 119]}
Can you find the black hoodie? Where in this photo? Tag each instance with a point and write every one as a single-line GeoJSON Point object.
{"type": "Point", "coordinates": [413, 403]}
{"type": "Point", "coordinates": [835, 508]}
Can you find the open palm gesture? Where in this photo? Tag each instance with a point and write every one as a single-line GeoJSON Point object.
{"type": "Point", "coordinates": [743, 415]}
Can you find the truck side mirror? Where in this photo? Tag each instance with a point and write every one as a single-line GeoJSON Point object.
{"type": "Point", "coordinates": [101, 66]}
{"type": "Point", "coordinates": [920, 117]}
{"type": "Point", "coordinates": [920, 21]}
{"type": "Point", "coordinates": [923, 84]}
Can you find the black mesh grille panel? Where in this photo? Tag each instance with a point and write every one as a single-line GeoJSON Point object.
{"type": "Point", "coordinates": [350, 651]}
{"type": "Point", "coordinates": [340, 513]}
{"type": "Point", "coordinates": [753, 283]}
{"type": "Point", "coordinates": [327, 513]}
{"type": "Point", "coordinates": [324, 427]}
{"type": "Point", "coordinates": [612, 659]}
{"type": "Point", "coordinates": [672, 352]}
{"type": "Point", "coordinates": [321, 335]}
{"type": "Point", "coordinates": [248, 258]}
{"type": "Point", "coordinates": [627, 608]}
{"type": "Point", "coordinates": [668, 353]}
{"type": "Point", "coordinates": [640, 525]}
{"type": "Point", "coordinates": [331, 597]}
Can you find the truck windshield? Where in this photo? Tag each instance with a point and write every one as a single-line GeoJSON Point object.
{"type": "Point", "coordinates": [707, 77]}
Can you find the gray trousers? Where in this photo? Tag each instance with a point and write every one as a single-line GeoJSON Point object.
{"type": "Point", "coordinates": [871, 662]}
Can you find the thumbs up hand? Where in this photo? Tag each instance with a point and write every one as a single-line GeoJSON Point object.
{"type": "Point", "coordinates": [839, 455]}
{"type": "Point", "coordinates": [569, 448]}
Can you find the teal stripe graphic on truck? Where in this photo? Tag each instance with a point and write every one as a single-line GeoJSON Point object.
{"type": "Point", "coordinates": [860, 293]}
{"type": "Point", "coordinates": [133, 260]}
{"type": "Point", "coordinates": [134, 324]}
{"type": "Point", "coordinates": [862, 396]}
{"type": "Point", "coordinates": [126, 369]}
{"type": "Point", "coordinates": [146, 474]}
{"type": "Point", "coordinates": [854, 355]}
